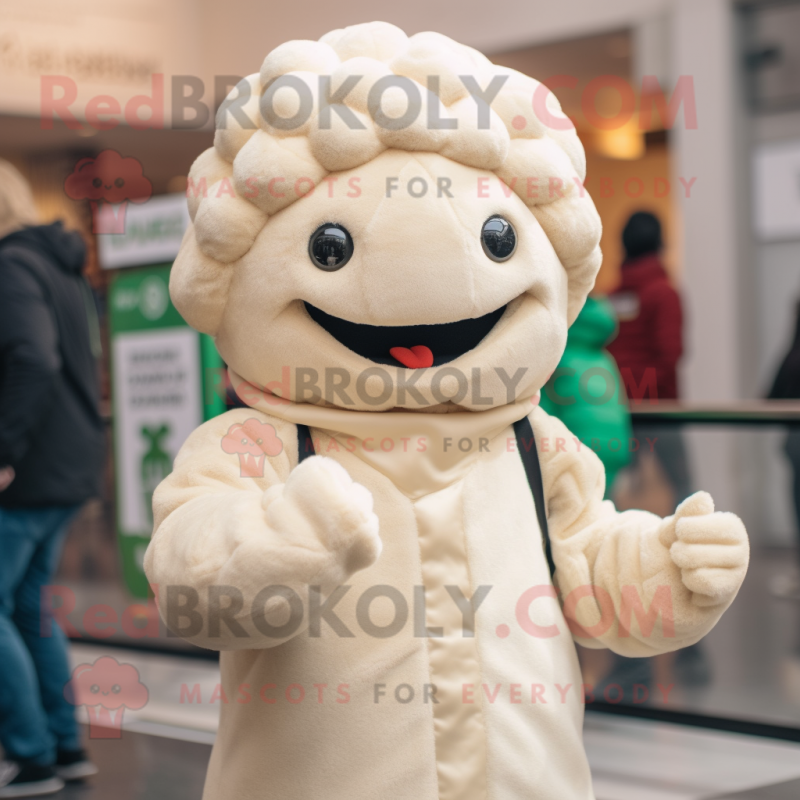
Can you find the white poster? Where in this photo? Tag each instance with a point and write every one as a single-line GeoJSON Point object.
{"type": "Point", "coordinates": [153, 233]}
{"type": "Point", "coordinates": [777, 191]}
{"type": "Point", "coordinates": [157, 406]}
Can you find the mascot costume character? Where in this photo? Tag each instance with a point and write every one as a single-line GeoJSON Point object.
{"type": "Point", "coordinates": [392, 545]}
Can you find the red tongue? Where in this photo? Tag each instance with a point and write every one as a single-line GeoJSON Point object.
{"type": "Point", "coordinates": [414, 358]}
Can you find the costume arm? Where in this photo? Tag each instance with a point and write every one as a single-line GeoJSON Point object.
{"type": "Point", "coordinates": [631, 581]}
{"type": "Point", "coordinates": [233, 557]}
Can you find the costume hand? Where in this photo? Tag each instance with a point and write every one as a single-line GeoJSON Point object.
{"type": "Point", "coordinates": [710, 548]}
{"type": "Point", "coordinates": [320, 500]}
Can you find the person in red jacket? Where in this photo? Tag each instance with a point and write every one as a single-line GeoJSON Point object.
{"type": "Point", "coordinates": [650, 340]}
{"type": "Point", "coordinates": [647, 350]}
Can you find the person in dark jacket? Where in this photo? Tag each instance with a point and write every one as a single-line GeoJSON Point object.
{"type": "Point", "coordinates": [650, 340]}
{"type": "Point", "coordinates": [786, 386]}
{"type": "Point", "coordinates": [51, 453]}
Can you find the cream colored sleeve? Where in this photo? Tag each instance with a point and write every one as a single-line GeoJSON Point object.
{"type": "Point", "coordinates": [631, 581]}
{"type": "Point", "coordinates": [232, 557]}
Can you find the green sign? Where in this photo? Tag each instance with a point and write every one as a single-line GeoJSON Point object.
{"type": "Point", "coordinates": [158, 363]}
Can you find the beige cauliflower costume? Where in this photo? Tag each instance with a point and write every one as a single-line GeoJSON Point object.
{"type": "Point", "coordinates": [397, 687]}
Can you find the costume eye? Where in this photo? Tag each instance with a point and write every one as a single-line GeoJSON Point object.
{"type": "Point", "coordinates": [94, 688]}
{"type": "Point", "coordinates": [330, 247]}
{"type": "Point", "coordinates": [119, 183]}
{"type": "Point", "coordinates": [97, 183]}
{"type": "Point", "coordinates": [498, 238]}
{"type": "Point", "coordinates": [116, 688]}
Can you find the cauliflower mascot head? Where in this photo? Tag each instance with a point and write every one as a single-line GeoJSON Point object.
{"type": "Point", "coordinates": [448, 218]}
{"type": "Point", "coordinates": [393, 224]}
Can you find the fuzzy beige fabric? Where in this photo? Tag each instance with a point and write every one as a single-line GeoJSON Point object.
{"type": "Point", "coordinates": [508, 711]}
{"type": "Point", "coordinates": [385, 612]}
{"type": "Point", "coordinates": [415, 260]}
{"type": "Point", "coordinates": [259, 165]}
{"type": "Point", "coordinates": [257, 196]}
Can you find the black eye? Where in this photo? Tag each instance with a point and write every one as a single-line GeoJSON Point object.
{"type": "Point", "coordinates": [97, 183]}
{"type": "Point", "coordinates": [116, 688]}
{"type": "Point", "coordinates": [119, 183]}
{"type": "Point", "coordinates": [498, 239]}
{"type": "Point", "coordinates": [330, 247]}
{"type": "Point", "coordinates": [94, 688]}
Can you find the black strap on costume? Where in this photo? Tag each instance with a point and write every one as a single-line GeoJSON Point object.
{"type": "Point", "coordinates": [526, 445]}
{"type": "Point", "coordinates": [305, 444]}
{"type": "Point", "coordinates": [232, 400]}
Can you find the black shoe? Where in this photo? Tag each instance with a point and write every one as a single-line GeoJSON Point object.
{"type": "Point", "coordinates": [74, 765]}
{"type": "Point", "coordinates": [27, 780]}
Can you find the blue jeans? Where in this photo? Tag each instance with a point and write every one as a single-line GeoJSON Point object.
{"type": "Point", "coordinates": [35, 717]}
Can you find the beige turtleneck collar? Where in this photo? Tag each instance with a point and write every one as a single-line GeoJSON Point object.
{"type": "Point", "coordinates": [420, 452]}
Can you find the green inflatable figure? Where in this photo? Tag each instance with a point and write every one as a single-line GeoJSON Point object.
{"type": "Point", "coordinates": [585, 392]}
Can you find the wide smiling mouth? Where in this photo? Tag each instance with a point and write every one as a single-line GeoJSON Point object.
{"type": "Point", "coordinates": [445, 341]}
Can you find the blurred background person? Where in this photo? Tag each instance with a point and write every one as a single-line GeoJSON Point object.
{"type": "Point", "coordinates": [649, 346]}
{"type": "Point", "coordinates": [51, 453]}
{"type": "Point", "coordinates": [647, 350]}
{"type": "Point", "coordinates": [650, 340]}
{"type": "Point", "coordinates": [585, 392]}
{"type": "Point", "coordinates": [786, 386]}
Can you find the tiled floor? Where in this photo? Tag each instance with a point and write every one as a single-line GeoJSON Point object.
{"type": "Point", "coordinates": [748, 667]}
{"type": "Point", "coordinates": [790, 790]}
{"type": "Point", "coordinates": [630, 761]}
{"type": "Point", "coordinates": [164, 748]}
{"type": "Point", "coordinates": [143, 767]}
{"type": "Point", "coordinates": [641, 760]}
{"type": "Point", "coordinates": [751, 661]}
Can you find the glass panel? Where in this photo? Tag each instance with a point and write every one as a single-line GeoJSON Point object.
{"type": "Point", "coordinates": [748, 666]}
